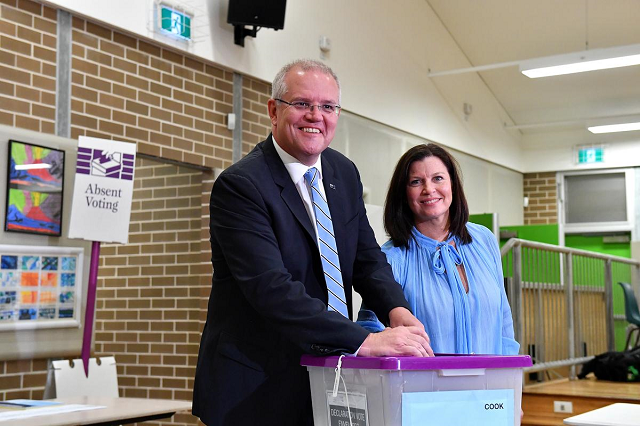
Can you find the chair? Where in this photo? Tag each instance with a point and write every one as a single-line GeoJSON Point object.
{"type": "Point", "coordinates": [67, 378]}
{"type": "Point", "coordinates": [632, 314]}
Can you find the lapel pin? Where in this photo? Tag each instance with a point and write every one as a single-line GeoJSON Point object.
{"type": "Point", "coordinates": [332, 186]}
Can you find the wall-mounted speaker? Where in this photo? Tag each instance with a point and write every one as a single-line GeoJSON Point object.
{"type": "Point", "coordinates": [258, 13]}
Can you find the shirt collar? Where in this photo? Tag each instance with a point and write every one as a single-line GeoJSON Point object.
{"type": "Point", "coordinates": [294, 167]}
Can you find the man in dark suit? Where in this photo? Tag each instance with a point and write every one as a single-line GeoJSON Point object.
{"type": "Point", "coordinates": [270, 300]}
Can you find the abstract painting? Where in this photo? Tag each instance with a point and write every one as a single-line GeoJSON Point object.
{"type": "Point", "coordinates": [35, 188]}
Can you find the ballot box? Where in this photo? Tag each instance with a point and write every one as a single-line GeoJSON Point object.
{"type": "Point", "coordinates": [445, 390]}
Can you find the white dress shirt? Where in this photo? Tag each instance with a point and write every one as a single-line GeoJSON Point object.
{"type": "Point", "coordinates": [296, 171]}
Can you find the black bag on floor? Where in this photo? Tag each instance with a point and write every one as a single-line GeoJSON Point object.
{"type": "Point", "coordinates": [614, 366]}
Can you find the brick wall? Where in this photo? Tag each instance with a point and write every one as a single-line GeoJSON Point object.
{"type": "Point", "coordinates": [27, 100]}
{"type": "Point", "coordinates": [22, 379]}
{"type": "Point", "coordinates": [152, 291]}
{"type": "Point", "coordinates": [148, 300]}
{"type": "Point", "coordinates": [204, 287]}
{"type": "Point", "coordinates": [27, 65]}
{"type": "Point", "coordinates": [542, 191]}
{"type": "Point", "coordinates": [174, 106]}
{"type": "Point", "coordinates": [256, 123]}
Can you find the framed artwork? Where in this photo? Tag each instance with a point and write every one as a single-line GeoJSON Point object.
{"type": "Point", "coordinates": [40, 286]}
{"type": "Point", "coordinates": [34, 189]}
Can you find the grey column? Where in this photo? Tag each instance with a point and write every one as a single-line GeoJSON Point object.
{"type": "Point", "coordinates": [568, 288]}
{"type": "Point", "coordinates": [608, 303]}
{"type": "Point", "coordinates": [63, 77]}
{"type": "Point", "coordinates": [237, 110]}
{"type": "Point", "coordinates": [518, 305]}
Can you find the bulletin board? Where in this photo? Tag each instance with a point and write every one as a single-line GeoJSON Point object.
{"type": "Point", "coordinates": [42, 277]}
{"type": "Point", "coordinates": [39, 287]}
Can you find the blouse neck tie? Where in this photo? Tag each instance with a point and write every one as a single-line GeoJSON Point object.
{"type": "Point", "coordinates": [444, 261]}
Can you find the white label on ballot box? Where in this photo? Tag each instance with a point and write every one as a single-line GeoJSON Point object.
{"type": "Point", "coordinates": [461, 408]}
{"type": "Point", "coordinates": [339, 413]}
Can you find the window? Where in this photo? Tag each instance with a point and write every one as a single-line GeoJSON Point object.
{"type": "Point", "coordinates": [598, 201]}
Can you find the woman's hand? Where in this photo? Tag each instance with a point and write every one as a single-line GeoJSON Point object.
{"type": "Point", "coordinates": [400, 341]}
{"type": "Point", "coordinates": [402, 316]}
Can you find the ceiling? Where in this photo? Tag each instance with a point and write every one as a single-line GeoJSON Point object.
{"type": "Point", "coordinates": [496, 31]}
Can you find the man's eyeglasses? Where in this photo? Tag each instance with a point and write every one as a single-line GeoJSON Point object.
{"type": "Point", "coordinates": [302, 106]}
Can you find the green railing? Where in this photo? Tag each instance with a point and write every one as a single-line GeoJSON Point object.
{"type": "Point", "coordinates": [562, 301]}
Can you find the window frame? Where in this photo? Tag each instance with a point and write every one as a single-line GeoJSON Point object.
{"type": "Point", "coordinates": [598, 227]}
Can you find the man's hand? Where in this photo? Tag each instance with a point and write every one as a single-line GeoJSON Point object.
{"type": "Point", "coordinates": [401, 340]}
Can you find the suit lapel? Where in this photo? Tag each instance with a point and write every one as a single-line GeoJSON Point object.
{"type": "Point", "coordinates": [333, 189]}
{"type": "Point", "coordinates": [289, 193]}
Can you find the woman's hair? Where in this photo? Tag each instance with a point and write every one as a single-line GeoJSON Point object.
{"type": "Point", "coordinates": [398, 217]}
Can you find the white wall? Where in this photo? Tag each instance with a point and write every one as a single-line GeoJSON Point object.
{"type": "Point", "coordinates": [381, 50]}
{"type": "Point", "coordinates": [554, 151]}
{"type": "Point", "coordinates": [376, 148]}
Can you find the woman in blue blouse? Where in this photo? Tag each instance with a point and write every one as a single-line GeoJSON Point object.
{"type": "Point", "coordinates": [450, 269]}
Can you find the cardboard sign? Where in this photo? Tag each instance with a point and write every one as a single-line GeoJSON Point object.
{"type": "Point", "coordinates": [70, 380]}
{"type": "Point", "coordinates": [461, 408]}
{"type": "Point", "coordinates": [103, 190]}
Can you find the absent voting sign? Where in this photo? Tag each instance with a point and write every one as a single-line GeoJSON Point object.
{"type": "Point", "coordinates": [103, 190]}
{"type": "Point", "coordinates": [460, 408]}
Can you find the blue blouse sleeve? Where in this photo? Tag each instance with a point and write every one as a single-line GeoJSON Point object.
{"type": "Point", "coordinates": [366, 318]}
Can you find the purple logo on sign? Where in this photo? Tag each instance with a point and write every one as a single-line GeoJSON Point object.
{"type": "Point", "coordinates": [97, 162]}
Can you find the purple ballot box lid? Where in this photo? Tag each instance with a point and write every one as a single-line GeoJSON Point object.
{"type": "Point", "coordinates": [439, 362]}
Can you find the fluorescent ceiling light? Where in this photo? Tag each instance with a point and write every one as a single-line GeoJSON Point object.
{"type": "Point", "coordinates": [611, 128]}
{"type": "Point", "coordinates": [589, 60]}
{"type": "Point", "coordinates": [33, 166]}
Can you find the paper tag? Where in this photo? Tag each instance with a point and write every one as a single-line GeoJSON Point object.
{"type": "Point", "coordinates": [339, 413]}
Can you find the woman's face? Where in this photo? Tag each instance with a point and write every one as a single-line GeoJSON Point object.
{"type": "Point", "coordinates": [429, 190]}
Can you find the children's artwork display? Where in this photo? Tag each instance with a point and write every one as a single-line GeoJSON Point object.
{"type": "Point", "coordinates": [34, 189]}
{"type": "Point", "coordinates": [40, 286]}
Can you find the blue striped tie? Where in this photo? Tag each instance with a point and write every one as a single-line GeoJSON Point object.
{"type": "Point", "coordinates": [328, 250]}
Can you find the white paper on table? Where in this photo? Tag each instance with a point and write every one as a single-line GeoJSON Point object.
{"type": "Point", "coordinates": [43, 411]}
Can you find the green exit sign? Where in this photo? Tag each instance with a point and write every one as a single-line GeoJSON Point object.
{"type": "Point", "coordinates": [590, 155]}
{"type": "Point", "coordinates": [175, 22]}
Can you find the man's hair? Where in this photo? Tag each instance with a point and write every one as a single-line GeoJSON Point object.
{"type": "Point", "coordinates": [398, 217]}
{"type": "Point", "coordinates": [279, 87]}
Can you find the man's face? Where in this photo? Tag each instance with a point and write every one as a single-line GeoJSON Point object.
{"type": "Point", "coordinates": [305, 134]}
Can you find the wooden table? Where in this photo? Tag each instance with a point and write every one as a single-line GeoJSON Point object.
{"type": "Point", "coordinates": [612, 415]}
{"type": "Point", "coordinates": [117, 411]}
{"type": "Point", "coordinates": [586, 395]}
